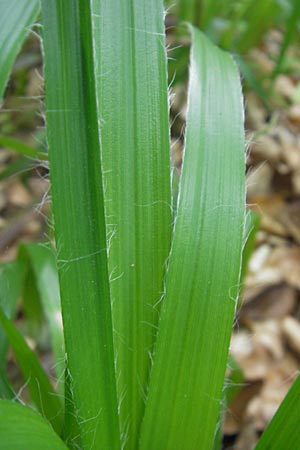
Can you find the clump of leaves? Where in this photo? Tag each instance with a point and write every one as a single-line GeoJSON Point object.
{"type": "Point", "coordinates": [147, 299]}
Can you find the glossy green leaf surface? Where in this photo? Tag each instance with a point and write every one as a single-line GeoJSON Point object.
{"type": "Point", "coordinates": [40, 388]}
{"type": "Point", "coordinates": [75, 172]}
{"type": "Point", "coordinates": [131, 80]}
{"type": "Point", "coordinates": [202, 278]}
{"type": "Point", "coordinates": [16, 18]}
{"type": "Point", "coordinates": [21, 428]}
{"type": "Point", "coordinates": [283, 431]}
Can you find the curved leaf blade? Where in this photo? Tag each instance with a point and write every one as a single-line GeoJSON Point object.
{"type": "Point", "coordinates": [41, 391]}
{"type": "Point", "coordinates": [187, 378]}
{"type": "Point", "coordinates": [15, 20]}
{"type": "Point", "coordinates": [21, 428]}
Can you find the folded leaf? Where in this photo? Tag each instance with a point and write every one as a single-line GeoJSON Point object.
{"type": "Point", "coordinates": [202, 279]}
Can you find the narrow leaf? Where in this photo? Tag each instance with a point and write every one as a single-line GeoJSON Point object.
{"type": "Point", "coordinates": [41, 391]}
{"type": "Point", "coordinates": [19, 147]}
{"type": "Point", "coordinates": [252, 223]}
{"type": "Point", "coordinates": [74, 154]}
{"type": "Point", "coordinates": [32, 308]}
{"type": "Point", "coordinates": [6, 390]}
{"type": "Point", "coordinates": [21, 428]}
{"type": "Point", "coordinates": [131, 79]}
{"type": "Point", "coordinates": [16, 19]}
{"type": "Point", "coordinates": [187, 378]}
{"type": "Point", "coordinates": [12, 276]}
{"type": "Point", "coordinates": [252, 81]}
{"type": "Point", "coordinates": [283, 431]}
{"type": "Point", "coordinates": [290, 30]}
{"type": "Point", "coordinates": [42, 261]}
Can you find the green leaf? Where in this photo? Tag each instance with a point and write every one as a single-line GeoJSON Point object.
{"type": "Point", "coordinates": [6, 390]}
{"type": "Point", "coordinates": [283, 431]}
{"type": "Point", "coordinates": [252, 223]}
{"type": "Point", "coordinates": [202, 279]}
{"type": "Point", "coordinates": [18, 146]}
{"type": "Point", "coordinates": [74, 154]}
{"type": "Point", "coordinates": [290, 30]}
{"type": "Point", "coordinates": [71, 431]}
{"type": "Point", "coordinates": [12, 276]}
{"type": "Point", "coordinates": [21, 428]}
{"type": "Point", "coordinates": [189, 10]}
{"type": "Point", "coordinates": [252, 81]}
{"type": "Point", "coordinates": [258, 16]}
{"type": "Point", "coordinates": [131, 80]}
{"type": "Point", "coordinates": [43, 264]}
{"type": "Point", "coordinates": [32, 308]}
{"type": "Point", "coordinates": [16, 19]}
{"type": "Point", "coordinates": [40, 388]}
{"type": "Point", "coordinates": [210, 9]}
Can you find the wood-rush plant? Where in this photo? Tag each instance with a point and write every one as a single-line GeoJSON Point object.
{"type": "Point", "coordinates": [148, 294]}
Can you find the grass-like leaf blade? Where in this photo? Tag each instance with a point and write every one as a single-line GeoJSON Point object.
{"type": "Point", "coordinates": [290, 30]}
{"type": "Point", "coordinates": [6, 390]}
{"type": "Point", "coordinates": [40, 388]}
{"type": "Point", "coordinates": [41, 260]}
{"type": "Point", "coordinates": [187, 378]}
{"type": "Point", "coordinates": [132, 90]}
{"type": "Point", "coordinates": [74, 154]}
{"type": "Point", "coordinates": [22, 428]}
{"type": "Point", "coordinates": [258, 16]}
{"type": "Point", "coordinates": [18, 146]}
{"type": "Point", "coordinates": [12, 276]}
{"type": "Point", "coordinates": [15, 20]}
